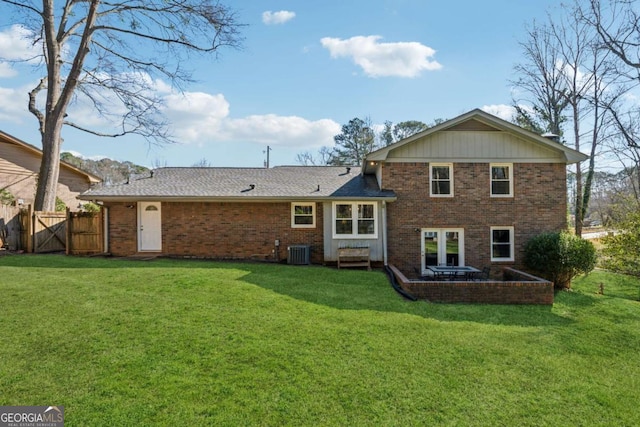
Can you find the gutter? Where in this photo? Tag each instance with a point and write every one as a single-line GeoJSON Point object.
{"type": "Point", "coordinates": [384, 233]}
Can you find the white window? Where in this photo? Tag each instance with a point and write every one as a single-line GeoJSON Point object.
{"type": "Point", "coordinates": [303, 215]}
{"type": "Point", "coordinates": [355, 220]}
{"type": "Point", "coordinates": [441, 177]}
{"type": "Point", "coordinates": [502, 244]}
{"type": "Point", "coordinates": [501, 180]}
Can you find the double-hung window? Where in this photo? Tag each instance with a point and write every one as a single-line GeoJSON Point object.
{"type": "Point", "coordinates": [502, 244]}
{"type": "Point", "coordinates": [441, 177]}
{"type": "Point", "coordinates": [355, 220]}
{"type": "Point", "coordinates": [303, 215]}
{"type": "Point", "coordinates": [501, 180]}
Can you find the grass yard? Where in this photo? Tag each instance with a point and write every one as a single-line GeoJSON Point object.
{"type": "Point", "coordinates": [174, 342]}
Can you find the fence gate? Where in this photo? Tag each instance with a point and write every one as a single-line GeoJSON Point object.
{"type": "Point", "coordinates": [49, 231]}
{"type": "Point", "coordinates": [85, 236]}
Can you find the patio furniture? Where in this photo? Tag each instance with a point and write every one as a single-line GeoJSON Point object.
{"type": "Point", "coordinates": [483, 275]}
{"type": "Point", "coordinates": [459, 272]}
{"type": "Point", "coordinates": [354, 257]}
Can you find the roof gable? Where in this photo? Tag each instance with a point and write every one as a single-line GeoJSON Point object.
{"type": "Point", "coordinates": [476, 136]}
{"type": "Point", "coordinates": [9, 139]}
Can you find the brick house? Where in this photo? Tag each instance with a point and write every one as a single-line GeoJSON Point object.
{"type": "Point", "coordinates": [470, 191]}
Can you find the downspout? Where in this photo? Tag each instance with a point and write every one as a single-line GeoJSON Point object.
{"type": "Point", "coordinates": [105, 229]}
{"type": "Point", "coordinates": [384, 233]}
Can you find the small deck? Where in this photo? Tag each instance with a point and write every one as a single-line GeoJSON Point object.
{"type": "Point", "coordinates": [516, 287]}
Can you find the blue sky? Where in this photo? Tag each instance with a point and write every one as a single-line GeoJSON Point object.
{"type": "Point", "coordinates": [305, 69]}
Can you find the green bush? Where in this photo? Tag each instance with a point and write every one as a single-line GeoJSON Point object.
{"type": "Point", "coordinates": [621, 249]}
{"type": "Point", "coordinates": [60, 205]}
{"type": "Point", "coordinates": [559, 257]}
{"type": "Point", "coordinates": [6, 198]}
{"type": "Point", "coordinates": [91, 207]}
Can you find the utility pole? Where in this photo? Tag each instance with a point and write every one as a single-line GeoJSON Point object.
{"type": "Point", "coordinates": [266, 164]}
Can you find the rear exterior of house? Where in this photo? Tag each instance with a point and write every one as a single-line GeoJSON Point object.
{"type": "Point", "coordinates": [470, 191]}
{"type": "Point", "coordinates": [245, 213]}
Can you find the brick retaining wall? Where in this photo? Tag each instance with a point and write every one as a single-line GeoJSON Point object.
{"type": "Point", "coordinates": [522, 289]}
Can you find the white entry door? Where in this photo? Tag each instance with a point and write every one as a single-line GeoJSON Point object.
{"type": "Point", "coordinates": [149, 227]}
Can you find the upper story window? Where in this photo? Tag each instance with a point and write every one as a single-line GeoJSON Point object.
{"type": "Point", "coordinates": [441, 177]}
{"type": "Point", "coordinates": [501, 180]}
{"type": "Point", "coordinates": [355, 220]}
{"type": "Point", "coordinates": [502, 244]}
{"type": "Point", "coordinates": [303, 215]}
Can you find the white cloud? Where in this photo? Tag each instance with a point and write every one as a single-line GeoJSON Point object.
{"type": "Point", "coordinates": [289, 131]}
{"type": "Point", "coordinates": [504, 111]}
{"type": "Point", "coordinates": [16, 44]}
{"type": "Point", "coordinates": [275, 18]}
{"type": "Point", "coordinates": [200, 118]}
{"type": "Point", "coordinates": [14, 109]}
{"type": "Point", "coordinates": [196, 118]}
{"type": "Point", "coordinates": [400, 59]}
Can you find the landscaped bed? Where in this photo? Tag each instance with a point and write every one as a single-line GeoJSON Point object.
{"type": "Point", "coordinates": [174, 342]}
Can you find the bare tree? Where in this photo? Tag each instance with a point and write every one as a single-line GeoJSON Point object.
{"type": "Point", "coordinates": [109, 53]}
{"type": "Point", "coordinates": [541, 80]}
{"type": "Point", "coordinates": [322, 158]}
{"type": "Point", "coordinates": [574, 80]}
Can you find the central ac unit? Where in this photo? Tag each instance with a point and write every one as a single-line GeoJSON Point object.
{"type": "Point", "coordinates": [298, 254]}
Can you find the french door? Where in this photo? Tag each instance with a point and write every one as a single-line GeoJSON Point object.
{"type": "Point", "coordinates": [442, 246]}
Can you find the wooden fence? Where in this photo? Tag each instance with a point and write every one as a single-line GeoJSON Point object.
{"type": "Point", "coordinates": [10, 227]}
{"type": "Point", "coordinates": [76, 233]}
{"type": "Point", "coordinates": [84, 233]}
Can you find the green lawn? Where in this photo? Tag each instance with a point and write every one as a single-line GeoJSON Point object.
{"type": "Point", "coordinates": [172, 342]}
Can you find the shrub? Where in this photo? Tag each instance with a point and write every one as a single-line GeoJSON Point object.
{"type": "Point", "coordinates": [60, 205]}
{"type": "Point", "coordinates": [6, 198]}
{"type": "Point", "coordinates": [91, 207]}
{"type": "Point", "coordinates": [621, 250]}
{"type": "Point", "coordinates": [559, 257]}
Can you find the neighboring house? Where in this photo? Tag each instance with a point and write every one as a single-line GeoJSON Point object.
{"type": "Point", "coordinates": [470, 191]}
{"type": "Point", "coordinates": [19, 168]}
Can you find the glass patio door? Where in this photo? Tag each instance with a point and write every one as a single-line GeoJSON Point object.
{"type": "Point", "coordinates": [442, 246]}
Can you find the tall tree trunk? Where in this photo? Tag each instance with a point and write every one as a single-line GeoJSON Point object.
{"type": "Point", "coordinates": [49, 168]}
{"type": "Point", "coordinates": [586, 198]}
{"type": "Point", "coordinates": [58, 97]}
{"type": "Point", "coordinates": [579, 190]}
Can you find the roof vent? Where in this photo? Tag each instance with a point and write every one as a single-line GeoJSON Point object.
{"type": "Point", "coordinates": [551, 136]}
{"type": "Point", "coordinates": [348, 169]}
{"type": "Point", "coordinates": [252, 186]}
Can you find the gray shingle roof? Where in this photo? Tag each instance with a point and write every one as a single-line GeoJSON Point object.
{"type": "Point", "coordinates": [283, 182]}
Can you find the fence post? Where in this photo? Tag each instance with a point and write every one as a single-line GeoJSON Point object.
{"type": "Point", "coordinates": [68, 239]}
{"type": "Point", "coordinates": [30, 230]}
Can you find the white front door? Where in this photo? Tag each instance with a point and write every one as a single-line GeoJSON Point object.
{"type": "Point", "coordinates": [442, 246]}
{"type": "Point", "coordinates": [149, 227]}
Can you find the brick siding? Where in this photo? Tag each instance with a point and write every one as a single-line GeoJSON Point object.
{"type": "Point", "coordinates": [538, 205]}
{"type": "Point", "coordinates": [219, 230]}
